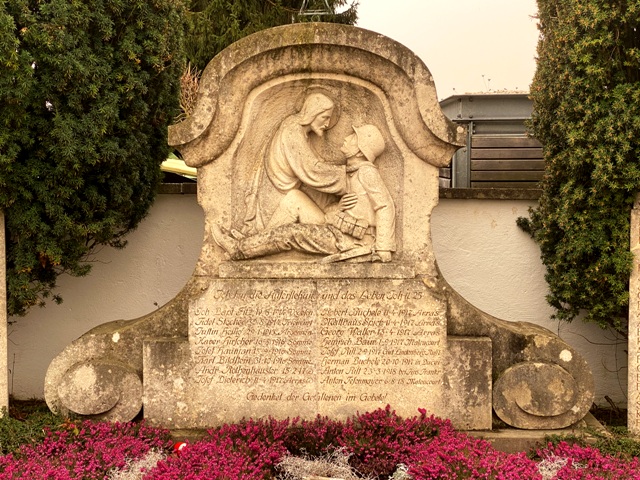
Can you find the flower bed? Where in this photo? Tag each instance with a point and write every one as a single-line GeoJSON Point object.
{"type": "Point", "coordinates": [375, 444]}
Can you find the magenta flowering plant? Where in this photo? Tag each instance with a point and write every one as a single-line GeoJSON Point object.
{"type": "Point", "coordinates": [313, 437]}
{"type": "Point", "coordinates": [458, 456]}
{"type": "Point", "coordinates": [376, 443]}
{"type": "Point", "coordinates": [209, 459]}
{"type": "Point", "coordinates": [380, 440]}
{"type": "Point", "coordinates": [588, 463]}
{"type": "Point", "coordinates": [87, 451]}
{"type": "Point", "coordinates": [248, 450]}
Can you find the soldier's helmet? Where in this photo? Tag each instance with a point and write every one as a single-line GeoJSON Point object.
{"type": "Point", "coordinates": [370, 141]}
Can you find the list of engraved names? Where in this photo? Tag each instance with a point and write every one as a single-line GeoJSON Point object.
{"type": "Point", "coordinates": [294, 338]}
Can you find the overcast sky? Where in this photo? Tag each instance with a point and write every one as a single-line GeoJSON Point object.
{"type": "Point", "coordinates": [469, 46]}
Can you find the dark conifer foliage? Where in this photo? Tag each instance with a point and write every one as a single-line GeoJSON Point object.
{"type": "Point", "coordinates": [215, 24]}
{"type": "Point", "coordinates": [87, 90]}
{"type": "Point", "coordinates": [586, 94]}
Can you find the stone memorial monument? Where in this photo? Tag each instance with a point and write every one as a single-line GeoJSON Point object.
{"type": "Point", "coordinates": [633, 379]}
{"type": "Point", "coordinates": [4, 361]}
{"type": "Point", "coordinates": [317, 291]}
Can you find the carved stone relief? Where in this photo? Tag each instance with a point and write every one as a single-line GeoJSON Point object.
{"type": "Point", "coordinates": [298, 200]}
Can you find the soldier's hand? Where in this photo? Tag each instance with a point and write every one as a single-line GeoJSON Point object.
{"type": "Point", "coordinates": [348, 201]}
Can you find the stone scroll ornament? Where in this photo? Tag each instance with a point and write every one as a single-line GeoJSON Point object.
{"type": "Point", "coordinates": [99, 375]}
{"type": "Point", "coordinates": [348, 102]}
{"type": "Point", "coordinates": [540, 382]}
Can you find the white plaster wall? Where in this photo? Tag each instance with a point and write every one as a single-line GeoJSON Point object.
{"type": "Point", "coordinates": [479, 248]}
{"type": "Point", "coordinates": [484, 256]}
{"type": "Point", "coordinates": [123, 284]}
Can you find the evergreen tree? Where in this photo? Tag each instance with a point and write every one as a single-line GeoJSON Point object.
{"type": "Point", "coordinates": [215, 24]}
{"type": "Point", "coordinates": [586, 94]}
{"type": "Point", "coordinates": [87, 90]}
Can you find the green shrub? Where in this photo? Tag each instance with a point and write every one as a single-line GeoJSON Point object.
{"type": "Point", "coordinates": [31, 430]}
{"type": "Point", "coordinates": [586, 93]}
{"type": "Point", "coordinates": [87, 90]}
{"type": "Point", "coordinates": [620, 443]}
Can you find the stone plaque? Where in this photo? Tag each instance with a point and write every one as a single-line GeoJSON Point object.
{"type": "Point", "coordinates": [302, 347]}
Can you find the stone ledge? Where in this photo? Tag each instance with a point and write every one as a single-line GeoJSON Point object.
{"type": "Point", "coordinates": [491, 193]}
{"type": "Point", "coordinates": [257, 269]}
{"type": "Point", "coordinates": [506, 440]}
{"type": "Point", "coordinates": [513, 441]}
{"type": "Point", "coordinates": [178, 188]}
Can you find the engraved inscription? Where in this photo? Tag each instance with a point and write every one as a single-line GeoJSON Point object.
{"type": "Point", "coordinates": [316, 341]}
{"type": "Point", "coordinates": [253, 335]}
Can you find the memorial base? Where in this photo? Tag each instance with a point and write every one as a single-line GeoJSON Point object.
{"type": "Point", "coordinates": [303, 347]}
{"type": "Point", "coordinates": [294, 347]}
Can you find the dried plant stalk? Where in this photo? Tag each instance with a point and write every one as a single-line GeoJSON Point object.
{"type": "Point", "coordinates": [333, 466]}
{"type": "Point", "coordinates": [189, 82]}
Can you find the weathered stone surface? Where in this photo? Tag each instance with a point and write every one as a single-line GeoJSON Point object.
{"type": "Point", "coordinates": [120, 343]}
{"type": "Point", "coordinates": [332, 348]}
{"type": "Point", "coordinates": [166, 372]}
{"type": "Point", "coordinates": [4, 367]}
{"type": "Point", "coordinates": [467, 382]}
{"type": "Point", "coordinates": [316, 52]}
{"type": "Point", "coordinates": [387, 98]}
{"type": "Point", "coordinates": [525, 358]}
{"type": "Point", "coordinates": [95, 388]}
{"type": "Point", "coordinates": [529, 391]}
{"type": "Point", "coordinates": [633, 383]}
{"type": "Point", "coordinates": [317, 290]}
{"type": "Point", "coordinates": [386, 85]}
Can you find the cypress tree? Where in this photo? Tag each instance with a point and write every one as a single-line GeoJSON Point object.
{"type": "Point", "coordinates": [586, 94]}
{"type": "Point", "coordinates": [87, 90]}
